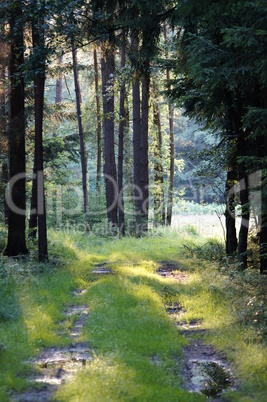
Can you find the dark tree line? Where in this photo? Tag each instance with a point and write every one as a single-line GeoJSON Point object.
{"type": "Point", "coordinates": [222, 82]}
{"type": "Point", "coordinates": [215, 67]}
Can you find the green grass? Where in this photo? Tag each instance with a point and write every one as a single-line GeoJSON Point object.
{"type": "Point", "coordinates": [137, 350]}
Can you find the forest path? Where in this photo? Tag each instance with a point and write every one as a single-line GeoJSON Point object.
{"type": "Point", "coordinates": [205, 371]}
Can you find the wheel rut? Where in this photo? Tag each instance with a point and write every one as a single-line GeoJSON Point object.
{"type": "Point", "coordinates": [56, 366]}
{"type": "Point", "coordinates": [205, 370]}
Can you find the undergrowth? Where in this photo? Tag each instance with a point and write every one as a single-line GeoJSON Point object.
{"type": "Point", "coordinates": [138, 352]}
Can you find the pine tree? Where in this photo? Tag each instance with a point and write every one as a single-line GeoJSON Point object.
{"type": "Point", "coordinates": [16, 201]}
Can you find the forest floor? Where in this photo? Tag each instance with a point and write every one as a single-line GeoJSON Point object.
{"type": "Point", "coordinates": [161, 318]}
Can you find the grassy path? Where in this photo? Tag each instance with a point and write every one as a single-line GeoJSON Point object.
{"type": "Point", "coordinates": [137, 351]}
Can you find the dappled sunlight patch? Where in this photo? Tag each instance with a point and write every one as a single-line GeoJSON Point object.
{"type": "Point", "coordinates": [143, 270]}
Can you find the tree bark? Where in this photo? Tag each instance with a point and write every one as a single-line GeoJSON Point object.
{"type": "Point", "coordinates": [171, 175]}
{"type": "Point", "coordinates": [144, 178]}
{"type": "Point", "coordinates": [263, 216]}
{"type": "Point", "coordinates": [5, 183]}
{"type": "Point", "coordinates": [98, 117]}
{"type": "Point", "coordinates": [16, 243]}
{"type": "Point", "coordinates": [231, 239]}
{"type": "Point", "coordinates": [39, 83]}
{"type": "Point", "coordinates": [3, 65]}
{"type": "Point", "coordinates": [244, 201]}
{"type": "Point", "coordinates": [121, 144]}
{"type": "Point", "coordinates": [159, 208]}
{"type": "Point", "coordinates": [136, 128]}
{"type": "Point", "coordinates": [59, 81]}
{"type": "Point", "coordinates": [172, 151]}
{"type": "Point", "coordinates": [129, 174]}
{"type": "Point", "coordinates": [107, 71]}
{"type": "Point", "coordinates": [3, 121]}
{"type": "Point", "coordinates": [81, 135]}
{"type": "Point", "coordinates": [33, 213]}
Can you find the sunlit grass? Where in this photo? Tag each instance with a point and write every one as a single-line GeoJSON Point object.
{"type": "Point", "coordinates": [137, 350]}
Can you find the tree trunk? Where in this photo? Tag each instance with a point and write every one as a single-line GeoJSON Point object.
{"type": "Point", "coordinates": [3, 121]}
{"type": "Point", "coordinates": [3, 65]}
{"type": "Point", "coordinates": [263, 216]}
{"type": "Point", "coordinates": [171, 175]}
{"type": "Point", "coordinates": [39, 82]}
{"type": "Point", "coordinates": [16, 199]}
{"type": "Point", "coordinates": [159, 208]}
{"type": "Point", "coordinates": [144, 178]}
{"type": "Point", "coordinates": [98, 117]}
{"type": "Point", "coordinates": [33, 213]}
{"type": "Point", "coordinates": [5, 183]}
{"type": "Point", "coordinates": [59, 81]}
{"type": "Point", "coordinates": [231, 239]}
{"type": "Point", "coordinates": [108, 70]}
{"type": "Point", "coordinates": [172, 156]}
{"type": "Point", "coordinates": [136, 129]}
{"type": "Point", "coordinates": [243, 232]}
{"type": "Point", "coordinates": [129, 174]}
{"type": "Point", "coordinates": [121, 144]}
{"type": "Point", "coordinates": [81, 135]}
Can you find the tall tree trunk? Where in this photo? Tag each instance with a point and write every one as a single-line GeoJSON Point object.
{"type": "Point", "coordinates": [159, 208]}
{"type": "Point", "coordinates": [3, 65]}
{"type": "Point", "coordinates": [108, 71]}
{"type": "Point", "coordinates": [5, 183]}
{"type": "Point", "coordinates": [128, 153]}
{"type": "Point", "coordinates": [244, 201]}
{"type": "Point", "coordinates": [98, 117]}
{"type": "Point", "coordinates": [171, 175]}
{"type": "Point", "coordinates": [144, 178]}
{"type": "Point", "coordinates": [136, 128]}
{"type": "Point", "coordinates": [39, 82]}
{"type": "Point", "coordinates": [263, 216]}
{"type": "Point", "coordinates": [121, 144]}
{"type": "Point", "coordinates": [3, 120]}
{"type": "Point", "coordinates": [231, 239]}
{"type": "Point", "coordinates": [33, 213]}
{"type": "Point", "coordinates": [59, 81]}
{"type": "Point", "coordinates": [16, 199]}
{"type": "Point", "coordinates": [81, 134]}
{"type": "Point", "coordinates": [172, 156]}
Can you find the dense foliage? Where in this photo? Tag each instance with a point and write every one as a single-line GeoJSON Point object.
{"type": "Point", "coordinates": [214, 54]}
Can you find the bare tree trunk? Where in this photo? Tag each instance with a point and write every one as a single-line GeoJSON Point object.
{"type": "Point", "coordinates": [33, 213]}
{"type": "Point", "coordinates": [231, 239]}
{"type": "Point", "coordinates": [171, 176]}
{"type": "Point", "coordinates": [108, 71]}
{"type": "Point", "coordinates": [16, 243]}
{"type": "Point", "coordinates": [59, 81]}
{"type": "Point", "coordinates": [3, 65]}
{"type": "Point", "coordinates": [81, 135]}
{"type": "Point", "coordinates": [3, 120]}
{"type": "Point", "coordinates": [172, 156]}
{"type": "Point", "coordinates": [243, 232]}
{"type": "Point", "coordinates": [159, 207]}
{"type": "Point", "coordinates": [121, 144]}
{"type": "Point", "coordinates": [5, 183]}
{"type": "Point", "coordinates": [128, 153]}
{"type": "Point", "coordinates": [263, 215]}
{"type": "Point", "coordinates": [144, 178]}
{"type": "Point", "coordinates": [136, 128]}
{"type": "Point", "coordinates": [39, 82]}
{"type": "Point", "coordinates": [98, 117]}
{"type": "Point", "coordinates": [244, 197]}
